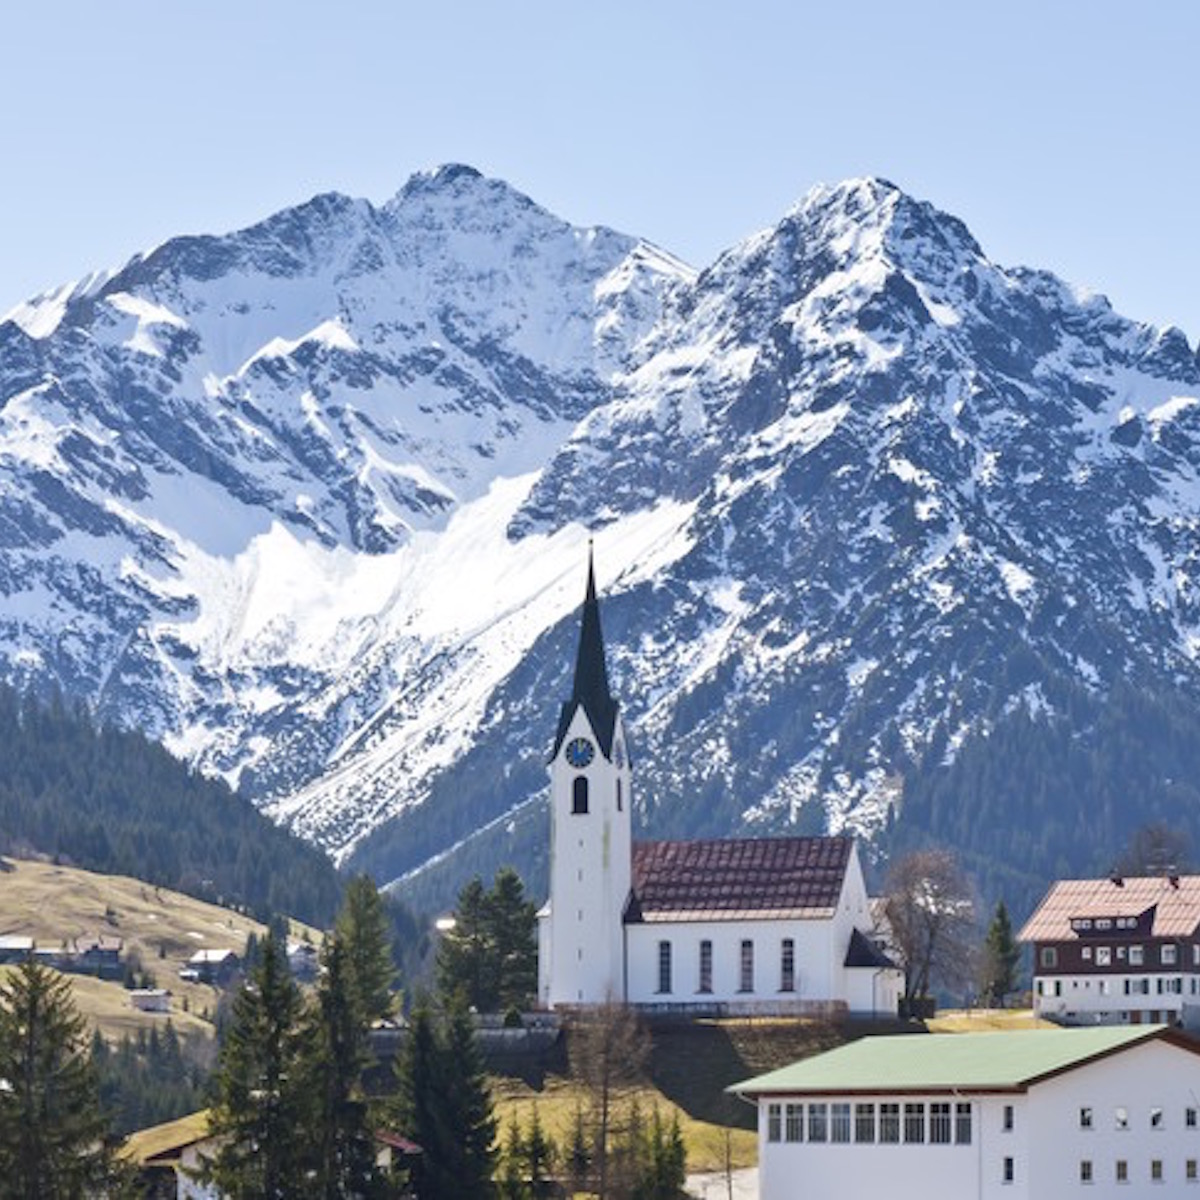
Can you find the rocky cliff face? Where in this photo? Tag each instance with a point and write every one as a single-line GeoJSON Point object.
{"type": "Point", "coordinates": [310, 503]}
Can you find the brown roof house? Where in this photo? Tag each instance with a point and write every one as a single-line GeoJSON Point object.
{"type": "Point", "coordinates": [735, 925]}
{"type": "Point", "coordinates": [1118, 951]}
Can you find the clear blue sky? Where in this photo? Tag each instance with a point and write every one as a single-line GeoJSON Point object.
{"type": "Point", "coordinates": [1065, 135]}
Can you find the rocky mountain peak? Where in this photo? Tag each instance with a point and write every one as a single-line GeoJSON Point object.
{"type": "Point", "coordinates": [308, 501]}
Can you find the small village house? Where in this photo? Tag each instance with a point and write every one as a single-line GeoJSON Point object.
{"type": "Point", "coordinates": [1120, 950]}
{"type": "Point", "coordinates": [1028, 1115]}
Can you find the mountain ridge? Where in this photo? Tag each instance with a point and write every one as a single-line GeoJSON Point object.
{"type": "Point", "coordinates": [322, 518]}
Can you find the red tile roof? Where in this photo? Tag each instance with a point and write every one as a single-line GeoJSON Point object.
{"type": "Point", "coordinates": [1176, 903]}
{"type": "Point", "coordinates": [734, 878]}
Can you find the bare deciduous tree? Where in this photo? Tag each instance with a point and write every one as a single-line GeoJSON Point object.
{"type": "Point", "coordinates": [931, 913]}
{"type": "Point", "coordinates": [608, 1049]}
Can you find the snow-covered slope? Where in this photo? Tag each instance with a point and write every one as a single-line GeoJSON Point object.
{"type": "Point", "coordinates": [311, 501]}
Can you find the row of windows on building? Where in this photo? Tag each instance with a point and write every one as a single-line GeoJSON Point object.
{"type": "Point", "coordinates": [890, 1122]}
{"type": "Point", "coordinates": [1156, 1174]}
{"type": "Point", "coordinates": [1135, 956]}
{"type": "Point", "coordinates": [1162, 986]}
{"type": "Point", "coordinates": [787, 966]}
{"type": "Point", "coordinates": [1157, 1117]}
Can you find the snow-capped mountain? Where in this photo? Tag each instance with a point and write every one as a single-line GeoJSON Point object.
{"type": "Point", "coordinates": [311, 501]}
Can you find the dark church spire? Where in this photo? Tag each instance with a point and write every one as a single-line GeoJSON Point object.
{"type": "Point", "coordinates": [590, 690]}
{"type": "Point", "coordinates": [591, 673]}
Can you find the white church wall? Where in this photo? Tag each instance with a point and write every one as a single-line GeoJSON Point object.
{"type": "Point", "coordinates": [816, 961]}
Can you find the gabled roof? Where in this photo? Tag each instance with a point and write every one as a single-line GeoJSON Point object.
{"type": "Point", "coordinates": [166, 1142]}
{"type": "Point", "coordinates": [590, 690]}
{"type": "Point", "coordinates": [941, 1062]}
{"type": "Point", "coordinates": [732, 878]}
{"type": "Point", "coordinates": [862, 952]}
{"type": "Point", "coordinates": [1176, 901]}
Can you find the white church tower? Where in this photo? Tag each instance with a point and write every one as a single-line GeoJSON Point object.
{"type": "Point", "coordinates": [581, 940]}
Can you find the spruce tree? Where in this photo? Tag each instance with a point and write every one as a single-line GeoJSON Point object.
{"type": "Point", "coordinates": [262, 1110]}
{"type": "Point", "coordinates": [539, 1157]}
{"type": "Point", "coordinates": [469, 1109]}
{"type": "Point", "coordinates": [363, 928]}
{"type": "Point", "coordinates": [417, 1104]}
{"type": "Point", "coordinates": [52, 1128]}
{"type": "Point", "coordinates": [335, 1055]}
{"type": "Point", "coordinates": [443, 1104]}
{"type": "Point", "coordinates": [512, 922]}
{"type": "Point", "coordinates": [465, 963]}
{"type": "Point", "coordinates": [1001, 955]}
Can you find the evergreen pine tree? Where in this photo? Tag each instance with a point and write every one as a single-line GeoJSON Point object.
{"type": "Point", "coordinates": [261, 1110]}
{"type": "Point", "coordinates": [52, 1128]}
{"type": "Point", "coordinates": [512, 1176]}
{"type": "Point", "coordinates": [363, 928]}
{"type": "Point", "coordinates": [465, 963]}
{"type": "Point", "coordinates": [335, 1055]}
{"type": "Point", "coordinates": [1001, 955]}
{"type": "Point", "coordinates": [416, 1108]}
{"type": "Point", "coordinates": [469, 1109]}
{"type": "Point", "coordinates": [539, 1157]}
{"type": "Point", "coordinates": [512, 926]}
{"type": "Point", "coordinates": [442, 1103]}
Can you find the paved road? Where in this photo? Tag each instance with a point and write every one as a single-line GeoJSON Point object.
{"type": "Point", "coordinates": [716, 1186]}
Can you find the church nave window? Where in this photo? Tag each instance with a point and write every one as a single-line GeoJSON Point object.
{"type": "Point", "coordinates": [787, 966]}
{"type": "Point", "coordinates": [664, 966]}
{"type": "Point", "coordinates": [705, 966]}
{"type": "Point", "coordinates": [747, 967]}
{"type": "Point", "coordinates": [579, 794]}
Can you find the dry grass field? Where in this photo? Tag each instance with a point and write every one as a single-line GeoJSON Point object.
{"type": "Point", "coordinates": [54, 904]}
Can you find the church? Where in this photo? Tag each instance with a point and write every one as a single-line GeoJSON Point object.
{"type": "Point", "coordinates": [734, 925]}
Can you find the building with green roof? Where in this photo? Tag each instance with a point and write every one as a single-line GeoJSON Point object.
{"type": "Point", "coordinates": [1101, 1112]}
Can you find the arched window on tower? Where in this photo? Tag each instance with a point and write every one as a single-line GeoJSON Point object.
{"type": "Point", "coordinates": [579, 795]}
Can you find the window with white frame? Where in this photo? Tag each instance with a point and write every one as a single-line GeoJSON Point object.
{"type": "Point", "coordinates": [1103, 956]}
{"type": "Point", "coordinates": [939, 1123]}
{"type": "Point", "coordinates": [794, 1129]}
{"type": "Point", "coordinates": [914, 1122]}
{"type": "Point", "coordinates": [1008, 1171]}
{"type": "Point", "coordinates": [1189, 1117]}
{"type": "Point", "coordinates": [889, 1122]}
{"type": "Point", "coordinates": [1190, 1171]}
{"type": "Point", "coordinates": [1122, 1171]}
{"type": "Point", "coordinates": [1156, 1170]}
{"type": "Point", "coordinates": [818, 1122]}
{"type": "Point", "coordinates": [962, 1123]}
{"type": "Point", "coordinates": [1007, 1122]}
{"type": "Point", "coordinates": [1085, 1170]}
{"type": "Point", "coordinates": [1121, 1117]}
{"type": "Point", "coordinates": [774, 1116]}
{"type": "Point", "coordinates": [839, 1122]}
{"type": "Point", "coordinates": [1137, 956]}
{"type": "Point", "coordinates": [1085, 1117]}
{"type": "Point", "coordinates": [864, 1122]}
{"type": "Point", "coordinates": [1156, 1118]}
{"type": "Point", "coordinates": [1168, 955]}
{"type": "Point", "coordinates": [1049, 956]}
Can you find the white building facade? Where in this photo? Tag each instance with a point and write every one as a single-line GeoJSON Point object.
{"type": "Point", "coordinates": [737, 925]}
{"type": "Point", "coordinates": [1032, 1115]}
{"type": "Point", "coordinates": [1123, 951]}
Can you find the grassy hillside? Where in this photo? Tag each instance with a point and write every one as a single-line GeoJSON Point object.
{"type": "Point", "coordinates": [161, 928]}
